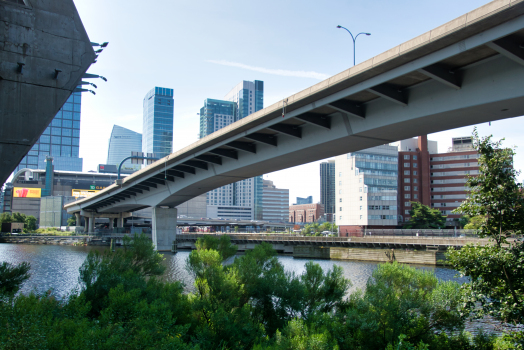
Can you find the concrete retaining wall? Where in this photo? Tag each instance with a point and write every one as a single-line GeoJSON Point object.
{"type": "Point", "coordinates": [55, 240]}
{"type": "Point", "coordinates": [367, 254]}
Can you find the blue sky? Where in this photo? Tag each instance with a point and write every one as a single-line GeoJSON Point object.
{"type": "Point", "coordinates": [202, 49]}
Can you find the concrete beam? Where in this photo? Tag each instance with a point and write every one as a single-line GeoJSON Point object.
{"type": "Point", "coordinates": [442, 75]}
{"type": "Point", "coordinates": [264, 138]}
{"type": "Point", "coordinates": [349, 107]}
{"type": "Point", "coordinates": [243, 146]}
{"type": "Point", "coordinates": [390, 93]}
{"type": "Point", "coordinates": [509, 48]}
{"type": "Point", "coordinates": [291, 130]}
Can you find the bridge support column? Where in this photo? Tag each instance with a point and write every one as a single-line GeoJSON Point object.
{"type": "Point", "coordinates": [86, 224]}
{"type": "Point", "coordinates": [77, 218]}
{"type": "Point", "coordinates": [120, 220]}
{"type": "Point", "coordinates": [164, 228]}
{"type": "Point", "coordinates": [91, 228]}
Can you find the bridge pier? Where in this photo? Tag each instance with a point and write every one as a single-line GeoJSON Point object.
{"type": "Point", "coordinates": [91, 226]}
{"type": "Point", "coordinates": [164, 228]}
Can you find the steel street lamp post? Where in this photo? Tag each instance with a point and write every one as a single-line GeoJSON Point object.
{"type": "Point", "coordinates": [354, 39]}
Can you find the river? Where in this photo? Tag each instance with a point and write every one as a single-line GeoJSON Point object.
{"type": "Point", "coordinates": [55, 267]}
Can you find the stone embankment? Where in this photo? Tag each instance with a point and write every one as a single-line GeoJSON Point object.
{"type": "Point", "coordinates": [53, 240]}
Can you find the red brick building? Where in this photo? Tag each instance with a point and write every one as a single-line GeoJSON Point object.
{"type": "Point", "coordinates": [435, 179]}
{"type": "Point", "coordinates": [305, 212]}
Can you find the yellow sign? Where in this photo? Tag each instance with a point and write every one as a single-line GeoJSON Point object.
{"type": "Point", "coordinates": [23, 192]}
{"type": "Point", "coordinates": [83, 193]}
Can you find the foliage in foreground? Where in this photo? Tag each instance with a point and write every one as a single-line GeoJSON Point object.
{"type": "Point", "coordinates": [251, 303]}
{"type": "Point", "coordinates": [495, 270]}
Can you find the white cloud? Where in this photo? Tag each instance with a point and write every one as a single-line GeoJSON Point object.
{"type": "Point", "coordinates": [281, 72]}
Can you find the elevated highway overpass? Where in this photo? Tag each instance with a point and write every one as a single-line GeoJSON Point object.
{"type": "Point", "coordinates": [467, 71]}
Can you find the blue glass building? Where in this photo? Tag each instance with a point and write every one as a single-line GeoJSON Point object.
{"type": "Point", "coordinates": [157, 128]}
{"type": "Point", "coordinates": [61, 140]}
{"type": "Point", "coordinates": [121, 143]}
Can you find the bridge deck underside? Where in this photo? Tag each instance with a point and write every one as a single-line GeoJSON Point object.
{"type": "Point", "coordinates": [478, 79]}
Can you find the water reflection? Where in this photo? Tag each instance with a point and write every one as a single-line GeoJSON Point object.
{"type": "Point", "coordinates": [56, 267]}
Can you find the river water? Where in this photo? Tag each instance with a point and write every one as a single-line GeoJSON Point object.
{"type": "Point", "coordinates": [56, 267]}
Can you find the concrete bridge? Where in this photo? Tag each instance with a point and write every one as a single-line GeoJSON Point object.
{"type": "Point", "coordinates": [467, 71]}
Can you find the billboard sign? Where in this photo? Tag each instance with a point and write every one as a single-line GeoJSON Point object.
{"type": "Point", "coordinates": [83, 193]}
{"type": "Point", "coordinates": [24, 192]}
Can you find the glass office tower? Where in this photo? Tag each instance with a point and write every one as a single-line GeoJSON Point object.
{"type": "Point", "coordinates": [245, 98]}
{"type": "Point", "coordinates": [121, 143]}
{"type": "Point", "coordinates": [327, 186]}
{"type": "Point", "coordinates": [157, 128]}
{"type": "Point", "coordinates": [61, 140]}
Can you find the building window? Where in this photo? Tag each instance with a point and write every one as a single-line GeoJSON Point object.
{"type": "Point", "coordinates": [340, 183]}
{"type": "Point", "coordinates": [407, 196]}
{"type": "Point", "coordinates": [361, 198]}
{"type": "Point", "coordinates": [340, 209]}
{"type": "Point", "coordinates": [415, 172]}
{"type": "Point", "coordinates": [407, 180]}
{"type": "Point", "coordinates": [406, 156]}
{"type": "Point", "coordinates": [340, 200]}
{"type": "Point", "coordinates": [406, 165]}
{"type": "Point", "coordinates": [360, 189]}
{"type": "Point", "coordinates": [339, 191]}
{"type": "Point", "coordinates": [414, 165]}
{"type": "Point", "coordinates": [407, 188]}
{"type": "Point", "coordinates": [340, 217]}
{"type": "Point", "coordinates": [406, 211]}
{"type": "Point", "coordinates": [407, 204]}
{"type": "Point", "coordinates": [406, 172]}
{"type": "Point", "coordinates": [415, 188]}
{"type": "Point", "coordinates": [415, 196]}
{"type": "Point", "coordinates": [360, 207]}
{"type": "Point", "coordinates": [360, 217]}
{"type": "Point", "coordinates": [415, 181]}
{"type": "Point", "coordinates": [414, 157]}
{"type": "Point", "coordinates": [340, 174]}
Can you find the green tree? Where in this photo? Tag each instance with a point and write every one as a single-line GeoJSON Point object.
{"type": "Point", "coordinates": [134, 266]}
{"type": "Point", "coordinates": [495, 271]}
{"type": "Point", "coordinates": [19, 217]}
{"type": "Point", "coordinates": [71, 221]}
{"type": "Point", "coordinates": [6, 218]}
{"type": "Point", "coordinates": [475, 222]}
{"type": "Point", "coordinates": [495, 192]}
{"type": "Point", "coordinates": [423, 217]}
{"type": "Point", "coordinates": [328, 226]}
{"type": "Point", "coordinates": [400, 299]}
{"type": "Point", "coordinates": [222, 244]}
{"type": "Point", "coordinates": [30, 223]}
{"type": "Point", "coordinates": [12, 277]}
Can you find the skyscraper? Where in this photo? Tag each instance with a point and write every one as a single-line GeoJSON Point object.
{"type": "Point", "coordinates": [243, 198]}
{"type": "Point", "coordinates": [157, 131]}
{"type": "Point", "coordinates": [61, 140]}
{"type": "Point", "coordinates": [327, 185]}
{"type": "Point", "coordinates": [121, 143]}
{"type": "Point", "coordinates": [248, 96]}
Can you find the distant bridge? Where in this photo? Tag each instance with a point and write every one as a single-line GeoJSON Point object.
{"type": "Point", "coordinates": [467, 71]}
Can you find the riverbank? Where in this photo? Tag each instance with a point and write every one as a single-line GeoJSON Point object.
{"type": "Point", "coordinates": [55, 240]}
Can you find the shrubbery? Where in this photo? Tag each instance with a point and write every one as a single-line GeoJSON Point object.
{"type": "Point", "coordinates": [251, 303]}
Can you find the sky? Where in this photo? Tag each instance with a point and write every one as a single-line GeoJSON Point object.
{"type": "Point", "coordinates": [202, 49]}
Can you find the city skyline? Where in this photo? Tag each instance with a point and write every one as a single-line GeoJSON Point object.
{"type": "Point", "coordinates": [195, 78]}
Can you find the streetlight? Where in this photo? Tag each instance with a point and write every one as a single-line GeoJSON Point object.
{"type": "Point", "coordinates": [354, 39]}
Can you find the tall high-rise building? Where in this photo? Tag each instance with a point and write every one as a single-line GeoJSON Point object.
{"type": "Point", "coordinates": [215, 115]}
{"type": "Point", "coordinates": [61, 140]}
{"type": "Point", "coordinates": [242, 199]}
{"type": "Point", "coordinates": [157, 131]}
{"type": "Point", "coordinates": [248, 96]}
{"type": "Point", "coordinates": [327, 186]}
{"type": "Point", "coordinates": [366, 189]}
{"type": "Point", "coordinates": [121, 143]}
